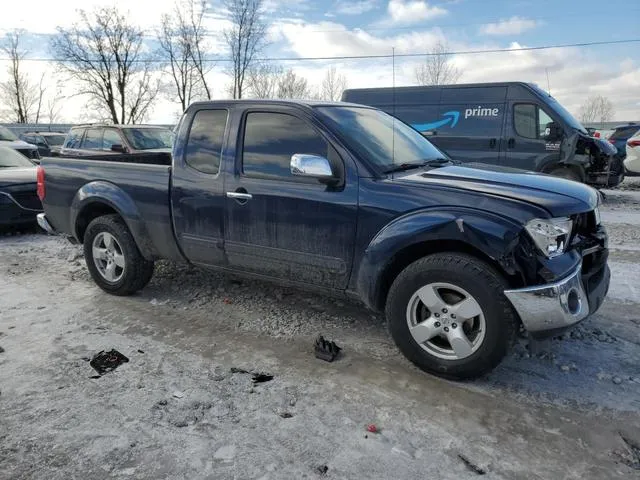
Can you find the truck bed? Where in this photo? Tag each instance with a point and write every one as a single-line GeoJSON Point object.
{"type": "Point", "coordinates": [139, 192]}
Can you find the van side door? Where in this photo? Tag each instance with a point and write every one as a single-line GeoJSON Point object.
{"type": "Point", "coordinates": [470, 123]}
{"type": "Point", "coordinates": [526, 146]}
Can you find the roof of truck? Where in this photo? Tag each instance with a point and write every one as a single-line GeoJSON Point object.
{"type": "Point", "coordinates": [457, 85]}
{"type": "Point", "coordinates": [252, 101]}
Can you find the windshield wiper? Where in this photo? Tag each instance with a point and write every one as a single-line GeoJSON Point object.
{"type": "Point", "coordinates": [433, 162]}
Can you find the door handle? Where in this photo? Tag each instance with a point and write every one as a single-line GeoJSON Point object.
{"type": "Point", "coordinates": [511, 143]}
{"type": "Point", "coordinates": [240, 195]}
{"type": "Point", "coordinates": [492, 143]}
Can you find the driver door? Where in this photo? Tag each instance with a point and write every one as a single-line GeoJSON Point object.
{"type": "Point", "coordinates": [284, 226]}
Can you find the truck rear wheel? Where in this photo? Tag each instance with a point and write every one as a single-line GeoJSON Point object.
{"type": "Point", "coordinates": [447, 313]}
{"type": "Point", "coordinates": [113, 258]}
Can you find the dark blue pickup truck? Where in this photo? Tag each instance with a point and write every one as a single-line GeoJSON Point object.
{"type": "Point", "coordinates": [345, 199]}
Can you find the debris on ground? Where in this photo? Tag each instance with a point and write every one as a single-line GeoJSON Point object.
{"type": "Point", "coordinates": [286, 414]}
{"type": "Point", "coordinates": [322, 470]}
{"type": "Point", "coordinates": [371, 428]}
{"type": "Point", "coordinates": [1, 350]}
{"type": "Point", "coordinates": [616, 380]}
{"type": "Point", "coordinates": [104, 362]}
{"type": "Point", "coordinates": [140, 351]}
{"type": "Point", "coordinates": [178, 394]}
{"type": "Point", "coordinates": [326, 350]}
{"type": "Point", "coordinates": [471, 466]}
{"type": "Point", "coordinates": [261, 377]}
{"type": "Point", "coordinates": [631, 458]}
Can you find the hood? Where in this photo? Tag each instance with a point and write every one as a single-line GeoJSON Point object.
{"type": "Point", "coordinates": [17, 176]}
{"type": "Point", "coordinates": [17, 145]}
{"type": "Point", "coordinates": [558, 196]}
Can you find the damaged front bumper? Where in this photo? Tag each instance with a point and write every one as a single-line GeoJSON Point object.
{"type": "Point", "coordinates": [549, 309]}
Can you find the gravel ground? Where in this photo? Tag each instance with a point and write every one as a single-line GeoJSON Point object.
{"type": "Point", "coordinates": [182, 408]}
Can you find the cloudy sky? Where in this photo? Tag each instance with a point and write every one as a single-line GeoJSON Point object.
{"type": "Point", "coordinates": [300, 29]}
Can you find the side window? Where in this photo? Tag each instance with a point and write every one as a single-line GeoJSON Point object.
{"type": "Point", "coordinates": [73, 138]}
{"type": "Point", "coordinates": [93, 139]}
{"type": "Point", "coordinates": [111, 137]}
{"type": "Point", "coordinates": [543, 123]}
{"type": "Point", "coordinates": [470, 120]}
{"type": "Point", "coordinates": [204, 145]}
{"type": "Point", "coordinates": [524, 120]}
{"type": "Point", "coordinates": [270, 139]}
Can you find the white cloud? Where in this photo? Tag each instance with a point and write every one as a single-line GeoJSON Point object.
{"type": "Point", "coordinates": [511, 26]}
{"type": "Point", "coordinates": [413, 11]}
{"type": "Point", "coordinates": [359, 7]}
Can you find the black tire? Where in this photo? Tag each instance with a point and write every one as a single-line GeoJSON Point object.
{"type": "Point", "coordinates": [137, 270]}
{"type": "Point", "coordinates": [484, 284]}
{"type": "Point", "coordinates": [567, 173]}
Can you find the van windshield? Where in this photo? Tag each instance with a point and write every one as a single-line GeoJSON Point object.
{"type": "Point", "coordinates": [379, 138]}
{"type": "Point", "coordinates": [561, 111]}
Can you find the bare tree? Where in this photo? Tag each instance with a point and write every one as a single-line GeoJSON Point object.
{"type": "Point", "coordinates": [182, 43]}
{"type": "Point", "coordinates": [20, 96]}
{"type": "Point", "coordinates": [262, 80]}
{"type": "Point", "coordinates": [596, 108]}
{"type": "Point", "coordinates": [437, 69]}
{"type": "Point", "coordinates": [245, 39]}
{"type": "Point", "coordinates": [53, 105]}
{"type": "Point", "coordinates": [103, 53]}
{"type": "Point", "coordinates": [333, 85]}
{"type": "Point", "coordinates": [291, 85]}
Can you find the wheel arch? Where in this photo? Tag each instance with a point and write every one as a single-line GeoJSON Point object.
{"type": "Point", "coordinates": [103, 198]}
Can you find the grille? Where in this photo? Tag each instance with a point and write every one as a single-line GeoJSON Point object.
{"type": "Point", "coordinates": [27, 200]}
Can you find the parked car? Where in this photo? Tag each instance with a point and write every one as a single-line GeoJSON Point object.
{"type": "Point", "coordinates": [620, 135]}
{"type": "Point", "coordinates": [19, 202]}
{"type": "Point", "coordinates": [48, 143]}
{"type": "Point", "coordinates": [512, 124]}
{"type": "Point", "coordinates": [142, 143]}
{"type": "Point", "coordinates": [632, 160]}
{"type": "Point", "coordinates": [345, 199]}
{"type": "Point", "coordinates": [9, 139]}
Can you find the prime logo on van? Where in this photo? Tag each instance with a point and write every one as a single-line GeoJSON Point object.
{"type": "Point", "coordinates": [481, 112]}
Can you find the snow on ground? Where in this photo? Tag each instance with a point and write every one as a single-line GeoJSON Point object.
{"type": "Point", "coordinates": [180, 408]}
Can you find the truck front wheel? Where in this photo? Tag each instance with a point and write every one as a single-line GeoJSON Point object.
{"type": "Point", "coordinates": [113, 258]}
{"type": "Point", "coordinates": [447, 313]}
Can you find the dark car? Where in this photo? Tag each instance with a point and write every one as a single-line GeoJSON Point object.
{"type": "Point", "coordinates": [512, 124]}
{"type": "Point", "coordinates": [9, 139]}
{"type": "Point", "coordinates": [143, 143]}
{"type": "Point", "coordinates": [345, 199]}
{"type": "Point", "coordinates": [19, 202]}
{"type": "Point", "coordinates": [48, 143]}
{"type": "Point", "coordinates": [620, 135]}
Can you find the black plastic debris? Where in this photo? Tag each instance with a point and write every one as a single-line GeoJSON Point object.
{"type": "Point", "coordinates": [1, 350]}
{"type": "Point", "coordinates": [261, 377]}
{"type": "Point", "coordinates": [326, 350]}
{"type": "Point", "coordinates": [322, 470]}
{"type": "Point", "coordinates": [104, 362]}
{"type": "Point", "coordinates": [471, 466]}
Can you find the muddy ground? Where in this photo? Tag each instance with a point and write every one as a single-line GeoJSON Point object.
{"type": "Point", "coordinates": [182, 407]}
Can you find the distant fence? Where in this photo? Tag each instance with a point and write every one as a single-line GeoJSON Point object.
{"type": "Point", "coordinates": [19, 128]}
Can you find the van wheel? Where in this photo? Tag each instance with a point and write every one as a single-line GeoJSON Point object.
{"type": "Point", "coordinates": [566, 172]}
{"type": "Point", "coordinates": [448, 315]}
{"type": "Point", "coordinates": [113, 258]}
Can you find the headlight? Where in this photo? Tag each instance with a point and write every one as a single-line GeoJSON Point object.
{"type": "Point", "coordinates": [550, 236]}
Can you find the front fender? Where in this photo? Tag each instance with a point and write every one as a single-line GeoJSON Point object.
{"type": "Point", "coordinates": [493, 235]}
{"type": "Point", "coordinates": [105, 193]}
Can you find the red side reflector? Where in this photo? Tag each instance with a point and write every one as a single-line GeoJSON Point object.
{"type": "Point", "coordinates": [634, 143]}
{"type": "Point", "coordinates": [596, 134]}
{"type": "Point", "coordinates": [40, 180]}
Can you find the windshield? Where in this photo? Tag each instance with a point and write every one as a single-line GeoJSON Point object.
{"type": "Point", "coordinates": [7, 135]}
{"type": "Point", "coordinates": [55, 140]}
{"type": "Point", "coordinates": [379, 138]}
{"type": "Point", "coordinates": [561, 111]}
{"type": "Point", "coordinates": [149, 138]}
{"type": "Point", "coordinates": [11, 158]}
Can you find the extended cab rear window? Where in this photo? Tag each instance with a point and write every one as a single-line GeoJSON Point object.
{"type": "Point", "coordinates": [204, 145]}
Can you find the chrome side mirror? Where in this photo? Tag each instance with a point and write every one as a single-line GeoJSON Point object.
{"type": "Point", "coordinates": [313, 166]}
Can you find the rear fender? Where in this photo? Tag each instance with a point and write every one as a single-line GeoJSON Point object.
{"type": "Point", "coordinates": [101, 193]}
{"type": "Point", "coordinates": [491, 235]}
